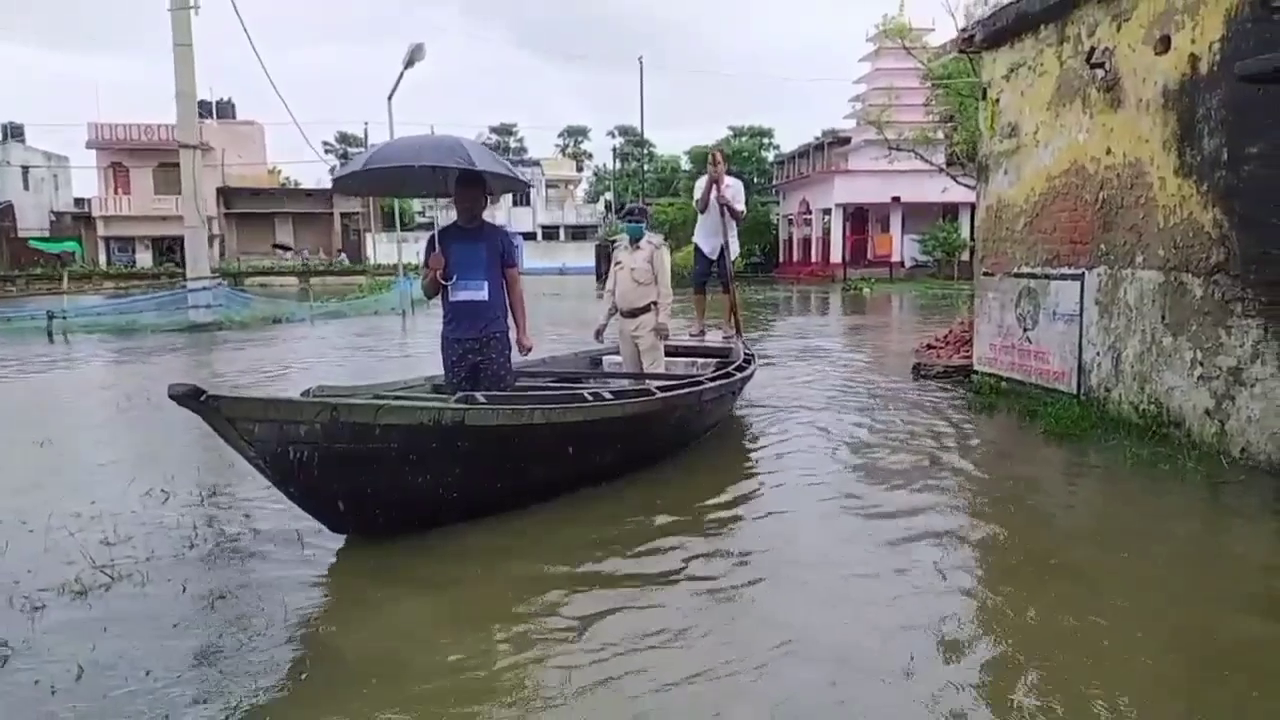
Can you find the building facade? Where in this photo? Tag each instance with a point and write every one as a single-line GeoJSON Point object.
{"type": "Point", "coordinates": [1149, 184]}
{"type": "Point", "coordinates": [138, 208]}
{"type": "Point", "coordinates": [861, 196]}
{"type": "Point", "coordinates": [257, 222]}
{"type": "Point", "coordinates": [551, 210]}
{"type": "Point", "coordinates": [37, 182]}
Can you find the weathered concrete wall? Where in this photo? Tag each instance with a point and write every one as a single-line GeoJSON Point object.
{"type": "Point", "coordinates": [1157, 172]}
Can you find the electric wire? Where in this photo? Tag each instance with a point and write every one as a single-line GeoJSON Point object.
{"type": "Point", "coordinates": [262, 64]}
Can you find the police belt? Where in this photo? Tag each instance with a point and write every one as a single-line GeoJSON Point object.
{"type": "Point", "coordinates": [637, 312]}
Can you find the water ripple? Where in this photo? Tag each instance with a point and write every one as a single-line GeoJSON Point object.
{"type": "Point", "coordinates": [852, 544]}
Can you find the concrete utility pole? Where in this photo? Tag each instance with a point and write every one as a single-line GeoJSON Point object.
{"type": "Point", "coordinates": [195, 230]}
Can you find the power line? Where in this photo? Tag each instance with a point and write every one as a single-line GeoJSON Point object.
{"type": "Point", "coordinates": [254, 47]}
{"type": "Point", "coordinates": [209, 165]}
{"type": "Point", "coordinates": [571, 56]}
{"type": "Point", "coordinates": [337, 123]}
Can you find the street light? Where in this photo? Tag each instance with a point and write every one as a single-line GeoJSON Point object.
{"type": "Point", "coordinates": [414, 55]}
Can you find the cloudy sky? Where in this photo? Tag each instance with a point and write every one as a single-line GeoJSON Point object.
{"type": "Point", "coordinates": [540, 63]}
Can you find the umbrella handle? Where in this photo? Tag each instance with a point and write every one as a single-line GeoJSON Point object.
{"type": "Point", "coordinates": [440, 278]}
{"type": "Point", "coordinates": [434, 241]}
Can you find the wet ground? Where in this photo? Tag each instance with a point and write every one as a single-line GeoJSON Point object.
{"type": "Point", "coordinates": [853, 545]}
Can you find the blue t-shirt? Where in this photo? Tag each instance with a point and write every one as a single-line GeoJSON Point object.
{"type": "Point", "coordinates": [475, 259]}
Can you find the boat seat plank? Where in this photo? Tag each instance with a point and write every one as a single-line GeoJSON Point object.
{"type": "Point", "coordinates": [700, 352]}
{"type": "Point", "coordinates": [601, 374]}
{"type": "Point", "coordinates": [572, 397]}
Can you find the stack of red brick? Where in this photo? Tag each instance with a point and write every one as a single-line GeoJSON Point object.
{"type": "Point", "coordinates": [953, 346]}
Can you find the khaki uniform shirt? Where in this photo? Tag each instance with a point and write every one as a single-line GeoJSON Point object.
{"type": "Point", "coordinates": [639, 274]}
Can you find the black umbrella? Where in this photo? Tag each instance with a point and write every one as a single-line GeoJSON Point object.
{"type": "Point", "coordinates": [424, 166]}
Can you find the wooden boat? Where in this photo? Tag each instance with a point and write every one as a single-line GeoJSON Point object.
{"type": "Point", "coordinates": [399, 457]}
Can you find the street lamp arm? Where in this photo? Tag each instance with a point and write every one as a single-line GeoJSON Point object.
{"type": "Point", "coordinates": [396, 86]}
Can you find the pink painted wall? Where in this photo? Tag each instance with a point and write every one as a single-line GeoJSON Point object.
{"type": "Point", "coordinates": [817, 190]}
{"type": "Point", "coordinates": [236, 155]}
{"type": "Point", "coordinates": [913, 187]}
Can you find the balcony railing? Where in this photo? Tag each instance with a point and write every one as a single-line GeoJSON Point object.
{"type": "Point", "coordinates": [570, 215]}
{"type": "Point", "coordinates": [135, 136]}
{"type": "Point", "coordinates": [519, 217]}
{"type": "Point", "coordinates": [129, 205]}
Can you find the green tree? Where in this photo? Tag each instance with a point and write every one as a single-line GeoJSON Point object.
{"type": "Point", "coordinates": [505, 140]}
{"type": "Point", "coordinates": [943, 242]}
{"type": "Point", "coordinates": [665, 177]}
{"type": "Point", "coordinates": [674, 218]}
{"type": "Point", "coordinates": [598, 183]}
{"type": "Point", "coordinates": [954, 102]}
{"type": "Point", "coordinates": [669, 180]}
{"type": "Point", "coordinates": [631, 150]}
{"type": "Point", "coordinates": [408, 213]}
{"type": "Point", "coordinates": [281, 179]}
{"type": "Point", "coordinates": [344, 146]}
{"type": "Point", "coordinates": [749, 151]}
{"type": "Point", "coordinates": [571, 143]}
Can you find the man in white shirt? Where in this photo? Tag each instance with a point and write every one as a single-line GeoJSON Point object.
{"type": "Point", "coordinates": [721, 201]}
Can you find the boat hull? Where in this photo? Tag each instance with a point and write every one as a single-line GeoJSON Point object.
{"type": "Point", "coordinates": [359, 472]}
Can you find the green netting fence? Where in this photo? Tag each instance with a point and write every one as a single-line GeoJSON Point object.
{"type": "Point", "coordinates": [177, 309]}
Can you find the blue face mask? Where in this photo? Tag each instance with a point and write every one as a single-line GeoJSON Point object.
{"type": "Point", "coordinates": [635, 231]}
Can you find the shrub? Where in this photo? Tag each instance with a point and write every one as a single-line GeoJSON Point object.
{"type": "Point", "coordinates": [943, 242]}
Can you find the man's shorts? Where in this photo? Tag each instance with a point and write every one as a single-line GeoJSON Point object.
{"type": "Point", "coordinates": [703, 267]}
{"type": "Point", "coordinates": [480, 364]}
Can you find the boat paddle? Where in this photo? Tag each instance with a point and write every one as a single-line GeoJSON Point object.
{"type": "Point", "coordinates": [728, 271]}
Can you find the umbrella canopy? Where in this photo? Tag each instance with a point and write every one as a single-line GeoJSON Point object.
{"type": "Point", "coordinates": [424, 166]}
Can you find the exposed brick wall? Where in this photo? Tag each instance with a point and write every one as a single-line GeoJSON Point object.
{"type": "Point", "coordinates": [1100, 215]}
{"type": "Point", "coordinates": [1118, 141]}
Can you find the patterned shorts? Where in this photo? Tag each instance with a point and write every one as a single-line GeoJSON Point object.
{"type": "Point", "coordinates": [480, 364]}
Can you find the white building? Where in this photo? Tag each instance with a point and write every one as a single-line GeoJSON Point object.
{"type": "Point", "coordinates": [552, 209]}
{"type": "Point", "coordinates": [37, 182]}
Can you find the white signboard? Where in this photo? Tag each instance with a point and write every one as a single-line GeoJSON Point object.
{"type": "Point", "coordinates": [1027, 327]}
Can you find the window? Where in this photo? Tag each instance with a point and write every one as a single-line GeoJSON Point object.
{"type": "Point", "coordinates": [56, 188]}
{"type": "Point", "coordinates": [166, 179]}
{"type": "Point", "coordinates": [26, 178]}
{"type": "Point", "coordinates": [122, 251]}
{"type": "Point", "coordinates": [882, 223]}
{"type": "Point", "coordinates": [121, 181]}
{"type": "Point", "coordinates": [520, 200]}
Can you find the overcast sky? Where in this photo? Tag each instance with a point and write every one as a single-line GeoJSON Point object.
{"type": "Point", "coordinates": [540, 63]}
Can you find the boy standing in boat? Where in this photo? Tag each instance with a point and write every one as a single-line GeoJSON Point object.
{"type": "Point", "coordinates": [475, 264]}
{"type": "Point", "coordinates": [721, 202]}
{"type": "Point", "coordinates": [638, 291]}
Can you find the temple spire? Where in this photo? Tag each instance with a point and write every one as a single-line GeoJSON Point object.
{"type": "Point", "coordinates": [902, 9]}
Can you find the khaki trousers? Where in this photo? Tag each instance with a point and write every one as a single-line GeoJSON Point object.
{"type": "Point", "coordinates": [639, 345]}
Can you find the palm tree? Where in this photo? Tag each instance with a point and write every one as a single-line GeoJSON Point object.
{"type": "Point", "coordinates": [281, 179]}
{"type": "Point", "coordinates": [571, 143]}
{"type": "Point", "coordinates": [505, 140]}
{"type": "Point", "coordinates": [342, 148]}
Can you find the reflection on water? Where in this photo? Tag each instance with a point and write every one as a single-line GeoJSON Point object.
{"type": "Point", "coordinates": [1120, 592]}
{"type": "Point", "coordinates": [488, 614]}
{"type": "Point", "coordinates": [852, 545]}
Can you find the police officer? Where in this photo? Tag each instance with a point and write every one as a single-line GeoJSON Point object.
{"type": "Point", "coordinates": [638, 291]}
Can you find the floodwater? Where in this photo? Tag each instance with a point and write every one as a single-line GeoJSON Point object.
{"type": "Point", "coordinates": [852, 545]}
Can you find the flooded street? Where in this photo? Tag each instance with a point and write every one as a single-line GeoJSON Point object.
{"type": "Point", "coordinates": [853, 544]}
